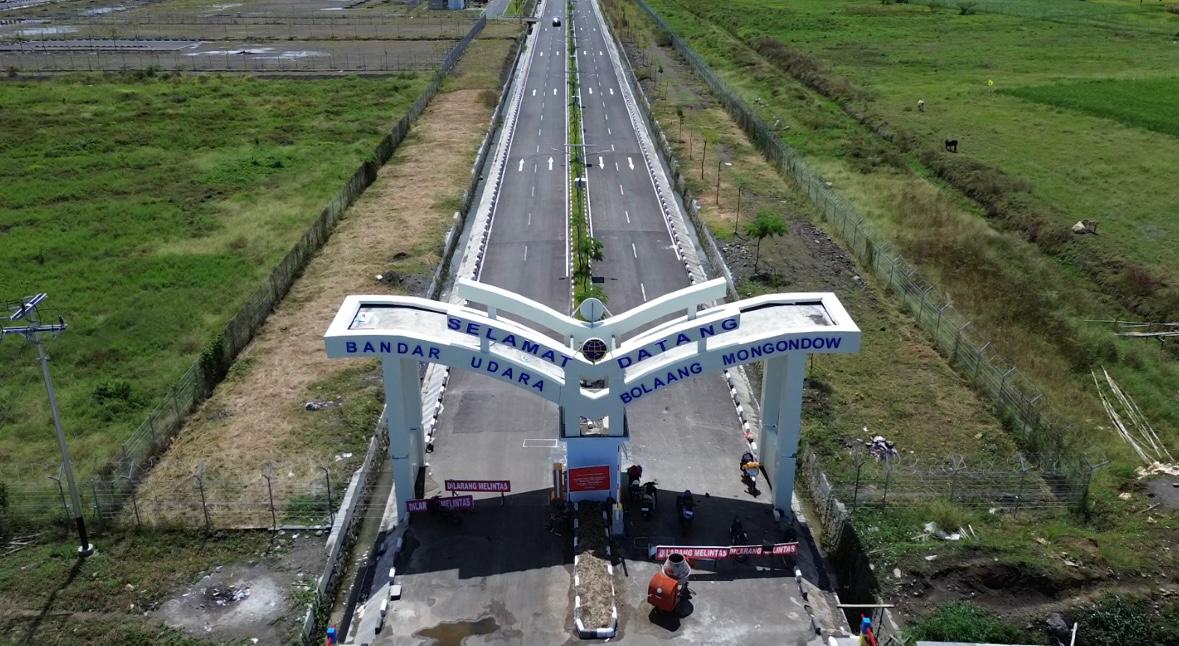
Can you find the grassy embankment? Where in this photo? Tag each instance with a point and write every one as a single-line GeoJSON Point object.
{"type": "Point", "coordinates": [394, 231]}
{"type": "Point", "coordinates": [1025, 281]}
{"type": "Point", "coordinates": [148, 208]}
{"type": "Point", "coordinates": [896, 384]}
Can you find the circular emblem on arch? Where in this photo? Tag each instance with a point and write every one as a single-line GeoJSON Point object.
{"type": "Point", "coordinates": [594, 349]}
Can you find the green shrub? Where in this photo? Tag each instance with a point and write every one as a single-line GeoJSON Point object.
{"type": "Point", "coordinates": [964, 622]}
{"type": "Point", "coordinates": [1113, 620]}
{"type": "Point", "coordinates": [966, 8]}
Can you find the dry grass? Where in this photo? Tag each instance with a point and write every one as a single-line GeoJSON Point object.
{"type": "Point", "coordinates": [597, 585]}
{"type": "Point", "coordinates": [256, 415]}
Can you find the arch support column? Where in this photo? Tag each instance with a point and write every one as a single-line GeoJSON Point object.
{"type": "Point", "coordinates": [403, 422]}
{"type": "Point", "coordinates": [781, 424]}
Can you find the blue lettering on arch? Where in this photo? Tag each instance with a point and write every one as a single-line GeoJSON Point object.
{"type": "Point", "coordinates": [350, 347]}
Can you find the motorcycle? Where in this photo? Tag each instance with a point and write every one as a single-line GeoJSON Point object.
{"type": "Point", "coordinates": [686, 508]}
{"type": "Point", "coordinates": [648, 499]}
{"type": "Point", "coordinates": [738, 536]}
{"type": "Point", "coordinates": [750, 468]}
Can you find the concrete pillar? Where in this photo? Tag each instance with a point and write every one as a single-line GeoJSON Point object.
{"type": "Point", "coordinates": [403, 420]}
{"type": "Point", "coordinates": [781, 420]}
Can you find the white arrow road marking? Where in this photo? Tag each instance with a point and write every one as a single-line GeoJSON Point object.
{"type": "Point", "coordinates": [601, 164]}
{"type": "Point", "coordinates": [554, 91]}
{"type": "Point", "coordinates": [550, 163]}
{"type": "Point", "coordinates": [632, 250]}
{"type": "Point", "coordinates": [533, 91]}
{"type": "Point", "coordinates": [630, 162]}
{"type": "Point", "coordinates": [521, 166]}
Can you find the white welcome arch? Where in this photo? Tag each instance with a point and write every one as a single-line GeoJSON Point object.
{"type": "Point", "coordinates": [692, 337]}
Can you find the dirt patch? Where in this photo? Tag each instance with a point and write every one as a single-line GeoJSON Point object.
{"type": "Point", "coordinates": [596, 583]}
{"type": "Point", "coordinates": [255, 418]}
{"type": "Point", "coordinates": [252, 600]}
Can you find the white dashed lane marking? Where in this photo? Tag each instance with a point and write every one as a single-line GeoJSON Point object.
{"type": "Point", "coordinates": [632, 250]}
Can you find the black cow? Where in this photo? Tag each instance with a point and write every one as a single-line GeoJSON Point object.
{"type": "Point", "coordinates": [952, 145]}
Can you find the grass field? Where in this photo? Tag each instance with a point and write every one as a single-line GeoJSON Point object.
{"type": "Point", "coordinates": [1150, 103]}
{"type": "Point", "coordinates": [1018, 565]}
{"type": "Point", "coordinates": [1027, 289]}
{"type": "Point", "coordinates": [147, 209]}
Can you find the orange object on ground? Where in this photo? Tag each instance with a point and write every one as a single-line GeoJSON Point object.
{"type": "Point", "coordinates": [663, 592]}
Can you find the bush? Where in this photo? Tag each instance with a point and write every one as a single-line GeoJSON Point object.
{"type": "Point", "coordinates": [1113, 620]}
{"type": "Point", "coordinates": [966, 8]}
{"type": "Point", "coordinates": [1173, 8]}
{"type": "Point", "coordinates": [807, 69]}
{"type": "Point", "coordinates": [964, 622]}
{"type": "Point", "coordinates": [115, 399]}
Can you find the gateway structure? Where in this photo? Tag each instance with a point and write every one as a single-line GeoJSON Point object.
{"type": "Point", "coordinates": [594, 368]}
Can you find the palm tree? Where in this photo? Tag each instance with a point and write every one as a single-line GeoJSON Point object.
{"type": "Point", "coordinates": [765, 225]}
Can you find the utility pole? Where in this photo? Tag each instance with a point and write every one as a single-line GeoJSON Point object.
{"type": "Point", "coordinates": [32, 331]}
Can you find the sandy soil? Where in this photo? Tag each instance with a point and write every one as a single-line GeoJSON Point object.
{"type": "Point", "coordinates": [402, 216]}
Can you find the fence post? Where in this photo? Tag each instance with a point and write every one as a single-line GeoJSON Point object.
{"type": "Point", "coordinates": [887, 479]}
{"type": "Point", "coordinates": [860, 458]}
{"type": "Point", "coordinates": [956, 465]}
{"type": "Point", "coordinates": [61, 492]}
{"type": "Point", "coordinates": [1023, 474]}
{"type": "Point", "coordinates": [204, 506]}
{"type": "Point", "coordinates": [94, 492]}
{"type": "Point", "coordinates": [957, 339]}
{"type": "Point", "coordinates": [1003, 381]}
{"type": "Point", "coordinates": [921, 308]}
{"type": "Point", "coordinates": [270, 494]}
{"type": "Point", "coordinates": [331, 512]}
{"type": "Point", "coordinates": [978, 361]}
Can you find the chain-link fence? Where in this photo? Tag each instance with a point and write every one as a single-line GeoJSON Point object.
{"type": "Point", "coordinates": [1043, 434]}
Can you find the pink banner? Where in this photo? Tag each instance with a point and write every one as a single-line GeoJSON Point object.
{"type": "Point", "coordinates": [700, 553]}
{"type": "Point", "coordinates": [481, 486]}
{"type": "Point", "coordinates": [452, 502]}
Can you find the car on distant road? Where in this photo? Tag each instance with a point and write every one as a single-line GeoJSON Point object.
{"type": "Point", "coordinates": [556, 21]}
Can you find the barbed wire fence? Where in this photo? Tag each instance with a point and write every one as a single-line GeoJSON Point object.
{"type": "Point", "coordinates": [1043, 434]}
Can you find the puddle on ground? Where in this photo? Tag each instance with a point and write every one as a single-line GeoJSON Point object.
{"type": "Point", "coordinates": [453, 633]}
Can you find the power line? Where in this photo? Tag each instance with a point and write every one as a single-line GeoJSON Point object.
{"type": "Point", "coordinates": [33, 330]}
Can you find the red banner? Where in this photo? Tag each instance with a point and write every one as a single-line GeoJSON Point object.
{"type": "Point", "coordinates": [481, 486]}
{"type": "Point", "coordinates": [451, 502]}
{"type": "Point", "coordinates": [589, 478]}
{"type": "Point", "coordinates": [700, 553]}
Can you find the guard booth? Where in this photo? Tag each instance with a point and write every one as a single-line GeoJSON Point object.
{"type": "Point", "coordinates": [593, 367]}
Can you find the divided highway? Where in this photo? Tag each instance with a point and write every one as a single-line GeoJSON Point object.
{"type": "Point", "coordinates": [501, 573]}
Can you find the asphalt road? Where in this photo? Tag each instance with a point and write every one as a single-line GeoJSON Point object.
{"type": "Point", "coordinates": [501, 576]}
{"type": "Point", "coordinates": [501, 572]}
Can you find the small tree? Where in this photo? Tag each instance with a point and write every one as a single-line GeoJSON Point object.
{"type": "Point", "coordinates": [765, 225]}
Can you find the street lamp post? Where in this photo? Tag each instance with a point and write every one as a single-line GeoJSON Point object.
{"type": "Point", "coordinates": [32, 331]}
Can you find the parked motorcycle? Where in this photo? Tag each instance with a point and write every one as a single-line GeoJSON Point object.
{"type": "Point", "coordinates": [648, 499]}
{"type": "Point", "coordinates": [686, 510]}
{"type": "Point", "coordinates": [738, 536]}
